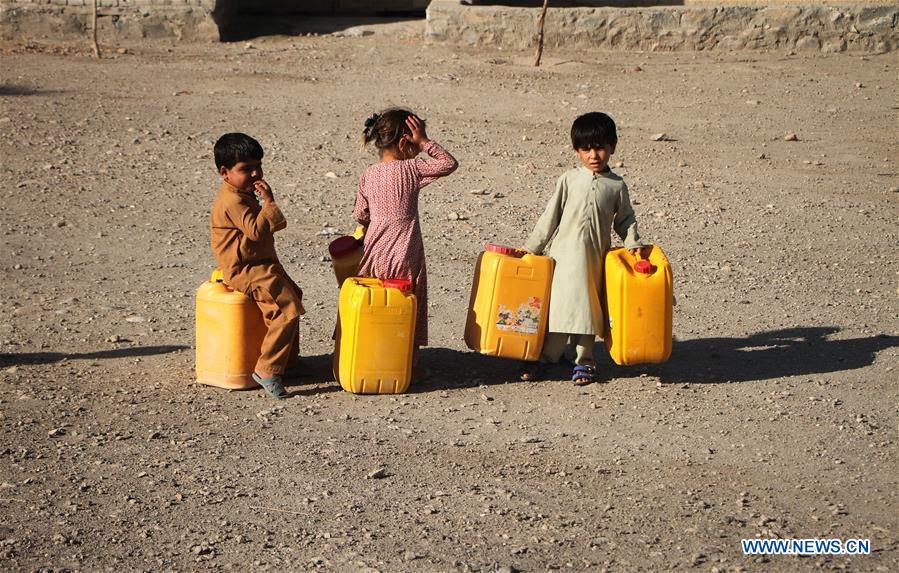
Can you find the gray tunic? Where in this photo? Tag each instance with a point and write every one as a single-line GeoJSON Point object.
{"type": "Point", "coordinates": [581, 215]}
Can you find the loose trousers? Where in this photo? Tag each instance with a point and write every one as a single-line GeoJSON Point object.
{"type": "Point", "coordinates": [555, 342]}
{"type": "Point", "coordinates": [281, 345]}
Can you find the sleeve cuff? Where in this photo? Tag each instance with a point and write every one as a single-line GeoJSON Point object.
{"type": "Point", "coordinates": [274, 216]}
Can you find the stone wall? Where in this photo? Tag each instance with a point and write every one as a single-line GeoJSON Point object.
{"type": "Point", "coordinates": [330, 7]}
{"type": "Point", "coordinates": [67, 19]}
{"type": "Point", "coordinates": [862, 27]}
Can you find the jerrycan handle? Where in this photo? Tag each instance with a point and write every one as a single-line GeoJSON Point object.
{"type": "Point", "coordinates": [404, 285]}
{"type": "Point", "coordinates": [217, 276]}
{"type": "Point", "coordinates": [504, 250]}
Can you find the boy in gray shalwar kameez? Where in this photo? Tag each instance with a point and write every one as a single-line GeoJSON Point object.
{"type": "Point", "coordinates": [589, 201]}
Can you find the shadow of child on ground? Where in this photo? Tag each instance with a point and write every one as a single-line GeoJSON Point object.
{"type": "Point", "coordinates": [762, 356]}
{"type": "Point", "coordinates": [772, 354]}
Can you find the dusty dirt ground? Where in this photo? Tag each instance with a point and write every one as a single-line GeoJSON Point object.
{"type": "Point", "coordinates": [776, 415]}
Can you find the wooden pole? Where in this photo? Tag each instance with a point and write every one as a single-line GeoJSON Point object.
{"type": "Point", "coordinates": [95, 46]}
{"type": "Point", "coordinates": [540, 33]}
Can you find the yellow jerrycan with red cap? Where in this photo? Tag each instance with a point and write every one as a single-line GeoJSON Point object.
{"type": "Point", "coordinates": [509, 304]}
{"type": "Point", "coordinates": [639, 293]}
{"type": "Point", "coordinates": [229, 331]}
{"type": "Point", "coordinates": [375, 334]}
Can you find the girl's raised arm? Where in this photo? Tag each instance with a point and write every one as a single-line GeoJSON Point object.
{"type": "Point", "coordinates": [442, 164]}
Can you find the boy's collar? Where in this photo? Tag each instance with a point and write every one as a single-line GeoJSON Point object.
{"type": "Point", "coordinates": [604, 172]}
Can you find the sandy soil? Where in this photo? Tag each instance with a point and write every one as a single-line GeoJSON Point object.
{"type": "Point", "coordinates": [775, 416]}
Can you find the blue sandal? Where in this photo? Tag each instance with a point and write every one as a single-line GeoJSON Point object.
{"type": "Point", "coordinates": [272, 386]}
{"type": "Point", "coordinates": [582, 375]}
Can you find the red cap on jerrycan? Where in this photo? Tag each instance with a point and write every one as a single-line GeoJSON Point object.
{"type": "Point", "coordinates": [404, 285]}
{"type": "Point", "coordinates": [644, 266]}
{"type": "Point", "coordinates": [342, 245]}
{"type": "Point", "coordinates": [503, 250]}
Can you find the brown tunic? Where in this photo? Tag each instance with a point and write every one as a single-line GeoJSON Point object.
{"type": "Point", "coordinates": [243, 242]}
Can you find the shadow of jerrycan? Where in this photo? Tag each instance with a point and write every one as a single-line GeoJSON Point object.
{"type": "Point", "coordinates": [229, 332]}
{"type": "Point", "coordinates": [509, 305]}
{"type": "Point", "coordinates": [638, 299]}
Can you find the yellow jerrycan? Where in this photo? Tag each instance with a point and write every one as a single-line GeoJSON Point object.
{"type": "Point", "coordinates": [229, 331]}
{"type": "Point", "coordinates": [509, 304]}
{"type": "Point", "coordinates": [375, 335]}
{"type": "Point", "coordinates": [346, 254]}
{"type": "Point", "coordinates": [639, 295]}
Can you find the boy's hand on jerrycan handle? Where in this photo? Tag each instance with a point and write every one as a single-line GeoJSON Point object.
{"type": "Point", "coordinates": [418, 137]}
{"type": "Point", "coordinates": [264, 191]}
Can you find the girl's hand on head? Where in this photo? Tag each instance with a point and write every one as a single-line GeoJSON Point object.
{"type": "Point", "coordinates": [418, 137]}
{"type": "Point", "coordinates": [264, 191]}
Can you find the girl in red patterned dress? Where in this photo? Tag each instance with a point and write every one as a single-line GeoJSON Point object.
{"type": "Point", "coordinates": [387, 204]}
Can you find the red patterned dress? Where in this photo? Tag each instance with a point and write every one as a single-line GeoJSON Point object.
{"type": "Point", "coordinates": [387, 202]}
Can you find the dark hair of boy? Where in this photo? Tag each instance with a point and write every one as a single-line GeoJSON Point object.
{"type": "Point", "coordinates": [232, 148]}
{"type": "Point", "coordinates": [386, 129]}
{"type": "Point", "coordinates": [593, 130]}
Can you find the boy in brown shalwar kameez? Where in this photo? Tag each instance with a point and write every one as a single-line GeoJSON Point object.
{"type": "Point", "coordinates": [242, 236]}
